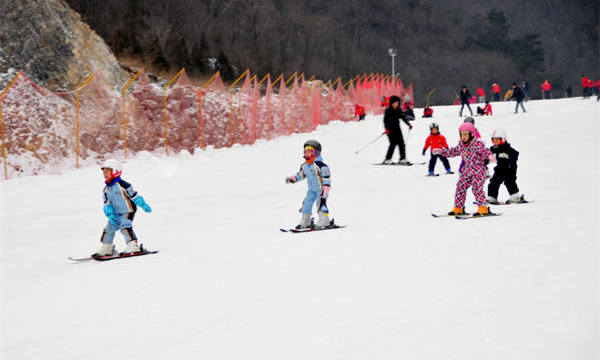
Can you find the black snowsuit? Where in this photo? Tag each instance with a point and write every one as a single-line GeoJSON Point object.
{"type": "Point", "coordinates": [464, 100]}
{"type": "Point", "coordinates": [519, 96]}
{"type": "Point", "coordinates": [505, 170]}
{"type": "Point", "coordinates": [391, 121]}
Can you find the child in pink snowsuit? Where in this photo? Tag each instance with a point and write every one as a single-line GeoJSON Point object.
{"type": "Point", "coordinates": [472, 173]}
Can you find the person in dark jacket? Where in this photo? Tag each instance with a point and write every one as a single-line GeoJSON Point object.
{"type": "Point", "coordinates": [465, 95]}
{"type": "Point", "coordinates": [391, 122]}
{"type": "Point", "coordinates": [505, 170]}
{"type": "Point", "coordinates": [518, 95]}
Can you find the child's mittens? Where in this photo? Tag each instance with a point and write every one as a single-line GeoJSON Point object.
{"type": "Point", "coordinates": [290, 179]}
{"type": "Point", "coordinates": [492, 158]}
{"type": "Point", "coordinates": [436, 151]}
{"type": "Point", "coordinates": [424, 150]}
{"type": "Point", "coordinates": [110, 214]}
{"type": "Point", "coordinates": [139, 201]}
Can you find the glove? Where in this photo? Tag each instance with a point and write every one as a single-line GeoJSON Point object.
{"type": "Point", "coordinates": [409, 127]}
{"type": "Point", "coordinates": [110, 214]}
{"type": "Point", "coordinates": [424, 151]}
{"type": "Point", "coordinates": [492, 158]}
{"type": "Point", "coordinates": [290, 179]}
{"type": "Point", "coordinates": [436, 151]}
{"type": "Point", "coordinates": [139, 201]}
{"type": "Point", "coordinates": [387, 131]}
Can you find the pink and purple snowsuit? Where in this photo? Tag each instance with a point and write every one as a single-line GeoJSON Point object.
{"type": "Point", "coordinates": [472, 172]}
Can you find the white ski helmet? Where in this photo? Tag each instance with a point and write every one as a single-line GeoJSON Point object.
{"type": "Point", "coordinates": [499, 133]}
{"type": "Point", "coordinates": [114, 165]}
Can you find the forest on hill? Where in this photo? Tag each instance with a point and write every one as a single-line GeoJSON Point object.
{"type": "Point", "coordinates": [441, 44]}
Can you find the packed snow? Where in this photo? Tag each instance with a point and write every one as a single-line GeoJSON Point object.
{"type": "Point", "coordinates": [396, 283]}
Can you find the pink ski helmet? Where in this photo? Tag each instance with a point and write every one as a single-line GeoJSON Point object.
{"type": "Point", "coordinates": [467, 127]}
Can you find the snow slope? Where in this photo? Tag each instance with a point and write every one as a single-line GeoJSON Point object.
{"type": "Point", "coordinates": [395, 284]}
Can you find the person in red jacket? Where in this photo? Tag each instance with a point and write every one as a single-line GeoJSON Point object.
{"type": "Point", "coordinates": [584, 86]}
{"type": "Point", "coordinates": [359, 111]}
{"type": "Point", "coordinates": [591, 87]}
{"type": "Point", "coordinates": [546, 87]}
{"type": "Point", "coordinates": [427, 112]}
{"type": "Point", "coordinates": [385, 102]}
{"type": "Point", "coordinates": [480, 94]}
{"type": "Point", "coordinates": [598, 90]}
{"type": "Point", "coordinates": [486, 110]}
{"type": "Point", "coordinates": [496, 91]}
{"type": "Point", "coordinates": [435, 140]}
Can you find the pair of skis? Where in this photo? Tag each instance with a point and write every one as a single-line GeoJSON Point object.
{"type": "Point", "coordinates": [112, 256]}
{"type": "Point", "coordinates": [401, 164]}
{"type": "Point", "coordinates": [464, 216]}
{"type": "Point", "coordinates": [332, 225]}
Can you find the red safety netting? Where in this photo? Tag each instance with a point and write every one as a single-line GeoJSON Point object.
{"type": "Point", "coordinates": [46, 131]}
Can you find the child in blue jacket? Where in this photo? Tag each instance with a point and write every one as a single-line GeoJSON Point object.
{"type": "Point", "coordinates": [120, 205]}
{"type": "Point", "coordinates": [317, 176]}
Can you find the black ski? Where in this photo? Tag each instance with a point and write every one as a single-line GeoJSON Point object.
{"type": "Point", "coordinates": [476, 216]}
{"type": "Point", "coordinates": [432, 175]}
{"type": "Point", "coordinates": [112, 257]}
{"type": "Point", "coordinates": [310, 229]}
{"type": "Point", "coordinates": [446, 215]}
{"type": "Point", "coordinates": [398, 164]}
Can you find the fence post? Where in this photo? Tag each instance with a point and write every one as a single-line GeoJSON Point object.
{"type": "Point", "coordinates": [165, 109]}
{"type": "Point", "coordinates": [124, 112]}
{"type": "Point", "coordinates": [2, 121]}
{"type": "Point", "coordinates": [77, 116]}
{"type": "Point", "coordinates": [231, 139]}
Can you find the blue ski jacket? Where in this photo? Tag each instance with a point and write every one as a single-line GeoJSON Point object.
{"type": "Point", "coordinates": [316, 174]}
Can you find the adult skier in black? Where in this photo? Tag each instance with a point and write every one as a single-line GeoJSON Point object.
{"type": "Point", "coordinates": [391, 122]}
{"type": "Point", "coordinates": [465, 96]}
{"type": "Point", "coordinates": [518, 95]}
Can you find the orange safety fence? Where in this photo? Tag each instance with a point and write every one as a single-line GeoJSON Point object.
{"type": "Point", "coordinates": [44, 132]}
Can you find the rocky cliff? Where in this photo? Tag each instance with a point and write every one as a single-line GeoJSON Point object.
{"type": "Point", "coordinates": [53, 47]}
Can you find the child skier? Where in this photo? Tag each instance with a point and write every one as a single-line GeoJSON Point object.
{"type": "Point", "coordinates": [120, 202]}
{"type": "Point", "coordinates": [505, 170]}
{"type": "Point", "coordinates": [317, 176]}
{"type": "Point", "coordinates": [472, 174]}
{"type": "Point", "coordinates": [435, 140]}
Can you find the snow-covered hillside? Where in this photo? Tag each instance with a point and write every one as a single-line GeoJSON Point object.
{"type": "Point", "coordinates": [395, 284]}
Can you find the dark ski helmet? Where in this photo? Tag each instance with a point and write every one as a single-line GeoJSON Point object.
{"type": "Point", "coordinates": [314, 144]}
{"type": "Point", "coordinates": [394, 99]}
{"type": "Point", "coordinates": [470, 120]}
{"type": "Point", "coordinates": [434, 125]}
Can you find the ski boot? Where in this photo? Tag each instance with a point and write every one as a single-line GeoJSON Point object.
{"type": "Point", "coordinates": [105, 250]}
{"type": "Point", "coordinates": [482, 211]}
{"type": "Point", "coordinates": [403, 162]}
{"type": "Point", "coordinates": [132, 247]}
{"type": "Point", "coordinates": [492, 200]}
{"type": "Point", "coordinates": [387, 162]}
{"type": "Point", "coordinates": [323, 221]}
{"type": "Point", "coordinates": [516, 198]}
{"type": "Point", "coordinates": [305, 222]}
{"type": "Point", "coordinates": [457, 211]}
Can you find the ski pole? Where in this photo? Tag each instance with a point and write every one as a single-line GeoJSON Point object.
{"type": "Point", "coordinates": [372, 141]}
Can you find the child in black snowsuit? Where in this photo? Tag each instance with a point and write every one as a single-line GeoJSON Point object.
{"type": "Point", "coordinates": [505, 170]}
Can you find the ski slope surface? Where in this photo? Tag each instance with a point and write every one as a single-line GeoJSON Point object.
{"type": "Point", "coordinates": [396, 283]}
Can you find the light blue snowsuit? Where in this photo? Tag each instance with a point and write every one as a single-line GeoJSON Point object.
{"type": "Point", "coordinates": [317, 175]}
{"type": "Point", "coordinates": [120, 206]}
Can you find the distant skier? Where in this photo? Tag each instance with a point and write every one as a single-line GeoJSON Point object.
{"type": "Point", "coordinates": [435, 140]}
{"type": "Point", "coordinates": [318, 179]}
{"type": "Point", "coordinates": [496, 91]}
{"type": "Point", "coordinates": [505, 170]}
{"type": "Point", "coordinates": [120, 205]}
{"type": "Point", "coordinates": [525, 88]}
{"type": "Point", "coordinates": [584, 86]}
{"type": "Point", "coordinates": [472, 174]}
{"type": "Point", "coordinates": [486, 110]}
{"type": "Point", "coordinates": [546, 87]}
{"type": "Point", "coordinates": [427, 112]}
{"type": "Point", "coordinates": [407, 108]}
{"type": "Point", "coordinates": [391, 122]}
{"type": "Point", "coordinates": [518, 95]}
{"type": "Point", "coordinates": [480, 95]}
{"type": "Point", "coordinates": [359, 111]}
{"type": "Point", "coordinates": [465, 95]}
{"type": "Point", "coordinates": [569, 91]}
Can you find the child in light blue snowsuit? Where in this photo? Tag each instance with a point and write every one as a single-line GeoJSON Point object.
{"type": "Point", "coordinates": [318, 179]}
{"type": "Point", "coordinates": [120, 205]}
